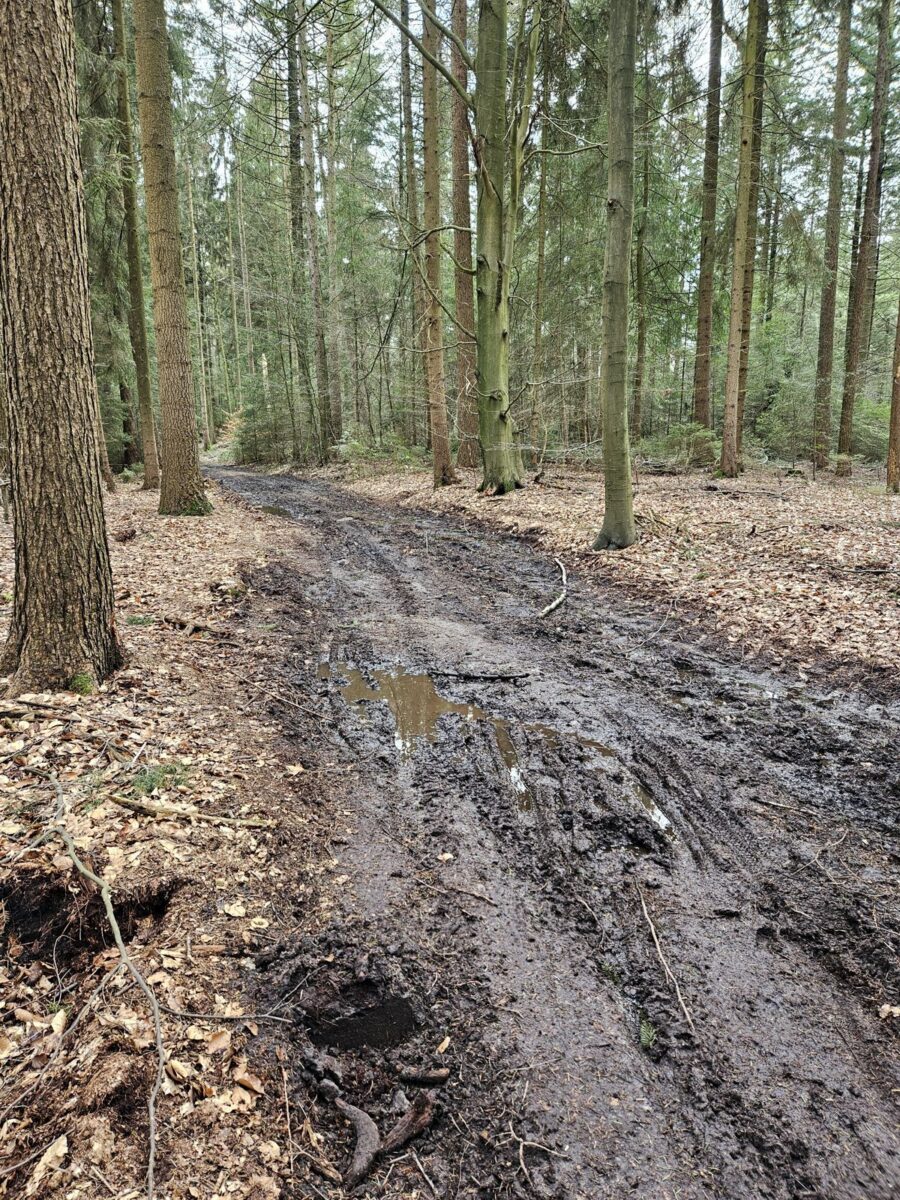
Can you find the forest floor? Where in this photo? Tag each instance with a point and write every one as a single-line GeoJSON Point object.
{"type": "Point", "coordinates": [573, 906]}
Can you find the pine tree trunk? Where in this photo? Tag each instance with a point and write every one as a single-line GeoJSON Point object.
{"type": "Point", "coordinates": [752, 224]}
{"type": "Point", "coordinates": [311, 225]}
{"type": "Point", "coordinates": [640, 283]}
{"type": "Point", "coordinates": [334, 268]}
{"type": "Point", "coordinates": [434, 336]}
{"type": "Point", "coordinates": [62, 632]}
{"type": "Point", "coordinates": [618, 530]}
{"type": "Point", "coordinates": [701, 413]}
{"type": "Point", "coordinates": [412, 213]}
{"type": "Point", "coordinates": [745, 222]}
{"type": "Point", "coordinates": [137, 314]}
{"type": "Point", "coordinates": [825, 357]}
{"type": "Point", "coordinates": [181, 491]}
{"type": "Point", "coordinates": [198, 309]}
{"type": "Point", "coordinates": [865, 257]}
{"type": "Point", "coordinates": [893, 457]}
{"type": "Point", "coordinates": [468, 454]}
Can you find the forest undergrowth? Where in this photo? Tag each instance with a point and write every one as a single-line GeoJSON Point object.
{"type": "Point", "coordinates": [165, 780]}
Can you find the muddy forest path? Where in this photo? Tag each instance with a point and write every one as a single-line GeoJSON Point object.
{"type": "Point", "coordinates": [649, 895]}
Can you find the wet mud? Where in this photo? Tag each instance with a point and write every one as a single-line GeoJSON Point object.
{"type": "Point", "coordinates": [649, 895]}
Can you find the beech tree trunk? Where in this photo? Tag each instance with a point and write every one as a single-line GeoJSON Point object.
{"type": "Point", "coordinates": [701, 414]}
{"type": "Point", "coordinates": [618, 529]}
{"type": "Point", "coordinates": [893, 457]}
{"type": "Point", "coordinates": [434, 336]}
{"type": "Point", "coordinates": [62, 632]}
{"type": "Point", "coordinates": [865, 256]}
{"type": "Point", "coordinates": [744, 233]}
{"type": "Point", "coordinates": [466, 397]}
{"type": "Point", "coordinates": [181, 491]}
{"type": "Point", "coordinates": [137, 315]}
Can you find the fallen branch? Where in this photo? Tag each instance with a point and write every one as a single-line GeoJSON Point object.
{"type": "Point", "coordinates": [449, 887]}
{"type": "Point", "coordinates": [167, 810]}
{"type": "Point", "coordinates": [665, 966]}
{"type": "Point", "coordinates": [414, 1121]}
{"type": "Point", "coordinates": [560, 599]}
{"type": "Point", "coordinates": [500, 676]}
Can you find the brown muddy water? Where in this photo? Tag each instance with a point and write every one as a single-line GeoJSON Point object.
{"type": "Point", "coordinates": [638, 898]}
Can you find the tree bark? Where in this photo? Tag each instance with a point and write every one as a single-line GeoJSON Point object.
{"type": "Point", "coordinates": [855, 321]}
{"type": "Point", "coordinates": [137, 313]}
{"type": "Point", "coordinates": [537, 353]}
{"type": "Point", "coordinates": [701, 414]}
{"type": "Point", "coordinates": [434, 338]}
{"type": "Point", "coordinates": [181, 491]}
{"type": "Point", "coordinates": [334, 268]}
{"type": "Point", "coordinates": [413, 226]}
{"type": "Point", "coordinates": [618, 529]}
{"type": "Point", "coordinates": [640, 282]}
{"type": "Point", "coordinates": [745, 223]}
{"type": "Point", "coordinates": [495, 235]}
{"type": "Point", "coordinates": [825, 358]}
{"type": "Point", "coordinates": [893, 457]}
{"type": "Point", "coordinates": [466, 397]}
{"type": "Point", "coordinates": [198, 308]}
{"type": "Point", "coordinates": [752, 226]}
{"type": "Point", "coordinates": [62, 632]}
{"type": "Point", "coordinates": [311, 223]}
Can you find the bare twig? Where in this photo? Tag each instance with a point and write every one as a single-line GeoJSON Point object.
{"type": "Point", "coordinates": [665, 966]}
{"type": "Point", "coordinates": [560, 599]}
{"type": "Point", "coordinates": [163, 811]}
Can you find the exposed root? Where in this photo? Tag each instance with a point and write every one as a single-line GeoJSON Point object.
{"type": "Point", "coordinates": [368, 1142]}
{"type": "Point", "coordinates": [417, 1118]}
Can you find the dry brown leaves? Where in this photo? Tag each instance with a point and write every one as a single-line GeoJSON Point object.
{"type": "Point", "coordinates": [780, 565]}
{"type": "Point", "coordinates": [195, 872]}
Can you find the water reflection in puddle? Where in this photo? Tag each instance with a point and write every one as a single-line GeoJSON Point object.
{"type": "Point", "coordinates": [417, 706]}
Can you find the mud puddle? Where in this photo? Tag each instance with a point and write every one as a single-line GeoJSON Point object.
{"type": "Point", "coordinates": [544, 942]}
{"type": "Point", "coordinates": [417, 708]}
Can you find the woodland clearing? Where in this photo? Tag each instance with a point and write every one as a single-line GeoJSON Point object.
{"type": "Point", "coordinates": [627, 913]}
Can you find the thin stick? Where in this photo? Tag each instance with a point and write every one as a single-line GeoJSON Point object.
{"type": "Point", "coordinates": [665, 966]}
{"type": "Point", "coordinates": [560, 599]}
{"type": "Point", "coordinates": [164, 811]}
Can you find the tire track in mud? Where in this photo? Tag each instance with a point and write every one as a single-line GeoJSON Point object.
{"type": "Point", "coordinates": [756, 821]}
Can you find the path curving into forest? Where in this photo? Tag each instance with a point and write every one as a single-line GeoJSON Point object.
{"type": "Point", "coordinates": [651, 896]}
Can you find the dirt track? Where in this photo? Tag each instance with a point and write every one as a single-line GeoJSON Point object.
{"type": "Point", "coordinates": [596, 781]}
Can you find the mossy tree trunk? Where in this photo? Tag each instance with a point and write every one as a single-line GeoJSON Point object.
{"type": "Point", "coordinates": [498, 147]}
{"type": "Point", "coordinates": [181, 490]}
{"type": "Point", "coordinates": [137, 315]}
{"type": "Point", "coordinates": [618, 529]}
{"type": "Point", "coordinates": [62, 632]}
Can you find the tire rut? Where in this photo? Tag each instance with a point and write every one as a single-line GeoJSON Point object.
{"type": "Point", "coordinates": [625, 779]}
